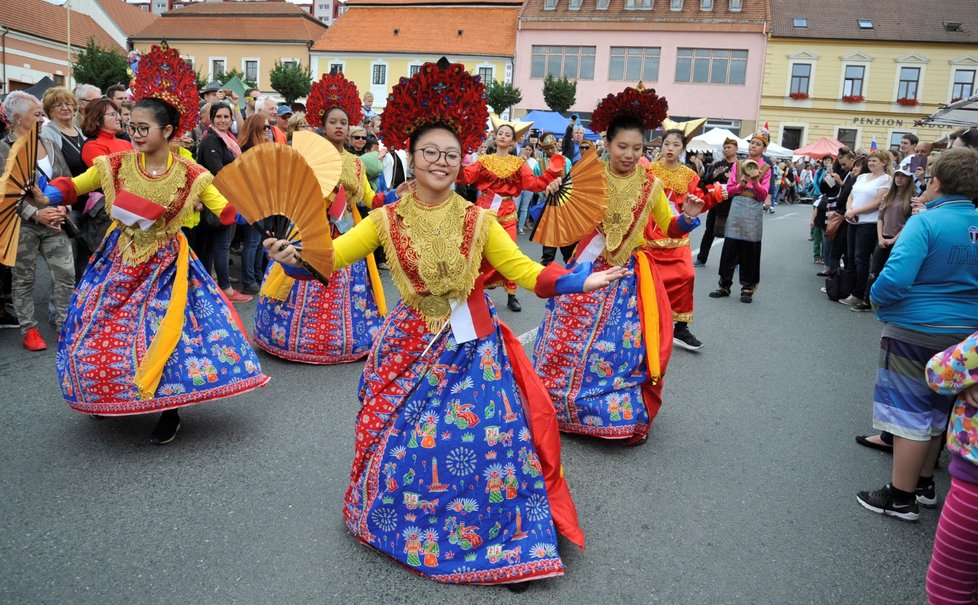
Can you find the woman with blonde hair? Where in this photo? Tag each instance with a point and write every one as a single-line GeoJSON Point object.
{"type": "Point", "coordinates": [297, 122]}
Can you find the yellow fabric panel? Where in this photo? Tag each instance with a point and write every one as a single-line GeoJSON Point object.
{"type": "Point", "coordinates": [661, 210]}
{"type": "Point", "coordinates": [503, 254]}
{"type": "Point", "coordinates": [87, 181]}
{"type": "Point", "coordinates": [355, 244]}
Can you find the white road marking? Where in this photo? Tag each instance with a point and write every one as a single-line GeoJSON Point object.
{"type": "Point", "coordinates": [528, 337]}
{"type": "Point", "coordinates": [778, 218]}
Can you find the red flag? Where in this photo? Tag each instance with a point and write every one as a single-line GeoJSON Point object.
{"type": "Point", "coordinates": [339, 204]}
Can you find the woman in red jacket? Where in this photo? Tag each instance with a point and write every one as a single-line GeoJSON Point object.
{"type": "Point", "coordinates": [101, 123]}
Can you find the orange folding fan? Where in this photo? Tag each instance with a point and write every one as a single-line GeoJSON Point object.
{"type": "Point", "coordinates": [272, 180]}
{"type": "Point", "coordinates": [16, 183]}
{"type": "Point", "coordinates": [577, 206]}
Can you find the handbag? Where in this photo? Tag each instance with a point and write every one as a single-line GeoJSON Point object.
{"type": "Point", "coordinates": [832, 221]}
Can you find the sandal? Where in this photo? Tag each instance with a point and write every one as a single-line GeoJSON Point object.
{"type": "Point", "coordinates": [864, 441]}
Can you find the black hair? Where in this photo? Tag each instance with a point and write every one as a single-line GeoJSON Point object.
{"type": "Point", "coordinates": [164, 114]}
{"type": "Point", "coordinates": [622, 123]}
{"type": "Point", "coordinates": [331, 110]}
{"type": "Point", "coordinates": [420, 132]}
{"type": "Point", "coordinates": [678, 133]}
{"type": "Point", "coordinates": [969, 137]}
{"type": "Point", "coordinates": [218, 105]}
{"type": "Point", "coordinates": [511, 129]}
{"type": "Point", "coordinates": [911, 137]}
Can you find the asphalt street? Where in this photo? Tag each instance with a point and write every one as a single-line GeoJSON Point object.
{"type": "Point", "coordinates": [745, 492]}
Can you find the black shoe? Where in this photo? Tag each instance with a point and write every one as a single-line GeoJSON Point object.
{"type": "Point", "coordinates": [513, 304]}
{"type": "Point", "coordinates": [699, 263]}
{"type": "Point", "coordinates": [926, 495]}
{"type": "Point", "coordinates": [882, 501]}
{"type": "Point", "coordinates": [8, 321]}
{"type": "Point", "coordinates": [864, 441]}
{"type": "Point", "coordinates": [518, 587]}
{"type": "Point", "coordinates": [824, 273]}
{"type": "Point", "coordinates": [683, 338]}
{"type": "Point", "coordinates": [720, 293]}
{"type": "Point", "coordinates": [861, 306]}
{"type": "Point", "coordinates": [166, 429]}
{"type": "Point", "coordinates": [746, 297]}
{"type": "Point", "coordinates": [251, 289]}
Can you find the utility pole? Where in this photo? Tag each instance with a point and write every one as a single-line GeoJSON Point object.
{"type": "Point", "coordinates": [68, 45]}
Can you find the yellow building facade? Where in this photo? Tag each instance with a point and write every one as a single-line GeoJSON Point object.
{"type": "Point", "coordinates": [812, 89]}
{"type": "Point", "coordinates": [378, 73]}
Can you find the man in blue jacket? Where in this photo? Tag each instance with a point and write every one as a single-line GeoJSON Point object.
{"type": "Point", "coordinates": [927, 297]}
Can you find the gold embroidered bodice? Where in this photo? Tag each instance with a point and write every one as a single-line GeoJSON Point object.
{"type": "Point", "coordinates": [351, 178]}
{"type": "Point", "coordinates": [434, 252]}
{"type": "Point", "coordinates": [176, 190]}
{"type": "Point", "coordinates": [675, 179]}
{"type": "Point", "coordinates": [628, 211]}
{"type": "Point", "coordinates": [501, 166]}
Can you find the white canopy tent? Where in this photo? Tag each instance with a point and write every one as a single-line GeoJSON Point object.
{"type": "Point", "coordinates": [713, 141]}
{"type": "Point", "coordinates": [959, 113]}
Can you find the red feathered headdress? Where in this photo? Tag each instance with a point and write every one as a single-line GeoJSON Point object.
{"type": "Point", "coordinates": [640, 103]}
{"type": "Point", "coordinates": [440, 93]}
{"type": "Point", "coordinates": [334, 90]}
{"type": "Point", "coordinates": [165, 76]}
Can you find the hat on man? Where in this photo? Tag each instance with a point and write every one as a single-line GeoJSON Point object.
{"type": "Point", "coordinates": [211, 87]}
{"type": "Point", "coordinates": [729, 141]}
{"type": "Point", "coordinates": [548, 140]}
{"type": "Point", "coordinates": [284, 110]}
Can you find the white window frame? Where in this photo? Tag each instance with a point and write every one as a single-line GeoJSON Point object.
{"type": "Point", "coordinates": [624, 67]}
{"type": "Point", "coordinates": [244, 70]}
{"type": "Point", "coordinates": [549, 5]}
{"type": "Point", "coordinates": [413, 65]}
{"type": "Point", "coordinates": [284, 60]}
{"type": "Point", "coordinates": [331, 63]}
{"type": "Point", "coordinates": [893, 131]}
{"type": "Point", "coordinates": [210, 67]}
{"type": "Point", "coordinates": [492, 72]}
{"type": "Point", "coordinates": [966, 63]}
{"type": "Point", "coordinates": [736, 6]}
{"type": "Point", "coordinates": [856, 58]}
{"type": "Point", "coordinates": [602, 5]}
{"type": "Point", "coordinates": [387, 75]}
{"type": "Point", "coordinates": [706, 5]}
{"type": "Point", "coordinates": [859, 133]}
{"type": "Point", "coordinates": [676, 5]}
{"type": "Point", "coordinates": [632, 5]}
{"type": "Point", "coordinates": [574, 5]}
{"type": "Point", "coordinates": [910, 60]}
{"type": "Point", "coordinates": [811, 75]}
{"type": "Point", "coordinates": [190, 59]}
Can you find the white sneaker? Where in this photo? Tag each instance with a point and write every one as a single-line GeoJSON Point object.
{"type": "Point", "coordinates": [850, 300]}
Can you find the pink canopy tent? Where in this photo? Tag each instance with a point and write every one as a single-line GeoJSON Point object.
{"type": "Point", "coordinates": [821, 148]}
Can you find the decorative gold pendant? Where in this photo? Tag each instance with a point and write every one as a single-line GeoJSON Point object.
{"type": "Point", "coordinates": [435, 307]}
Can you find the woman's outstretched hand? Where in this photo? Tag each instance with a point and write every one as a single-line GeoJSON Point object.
{"type": "Point", "coordinates": [281, 251]}
{"type": "Point", "coordinates": [603, 279]}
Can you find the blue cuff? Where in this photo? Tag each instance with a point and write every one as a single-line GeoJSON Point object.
{"type": "Point", "coordinates": [55, 194]}
{"type": "Point", "coordinates": [573, 282]}
{"type": "Point", "coordinates": [295, 272]}
{"type": "Point", "coordinates": [688, 226]}
{"type": "Point", "coordinates": [390, 197]}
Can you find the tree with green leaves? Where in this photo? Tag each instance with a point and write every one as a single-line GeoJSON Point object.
{"type": "Point", "coordinates": [234, 71]}
{"type": "Point", "coordinates": [502, 96]}
{"type": "Point", "coordinates": [290, 80]}
{"type": "Point", "coordinates": [559, 93]}
{"type": "Point", "coordinates": [100, 66]}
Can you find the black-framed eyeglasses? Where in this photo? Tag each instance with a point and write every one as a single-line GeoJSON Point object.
{"type": "Point", "coordinates": [433, 154]}
{"type": "Point", "coordinates": [927, 178]}
{"type": "Point", "coordinates": [139, 130]}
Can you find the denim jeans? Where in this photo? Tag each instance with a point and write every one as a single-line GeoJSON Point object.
{"type": "Point", "coordinates": [220, 244]}
{"type": "Point", "coordinates": [861, 241]}
{"type": "Point", "coordinates": [526, 198]}
{"type": "Point", "coordinates": [252, 257]}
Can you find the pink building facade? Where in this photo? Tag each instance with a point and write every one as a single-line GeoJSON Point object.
{"type": "Point", "coordinates": [707, 65]}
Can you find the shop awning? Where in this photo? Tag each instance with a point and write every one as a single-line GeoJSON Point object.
{"type": "Point", "coordinates": [959, 113]}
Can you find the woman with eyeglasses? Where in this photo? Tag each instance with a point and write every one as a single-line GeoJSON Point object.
{"type": "Point", "coordinates": [41, 229]}
{"type": "Point", "coordinates": [306, 321]}
{"type": "Point", "coordinates": [148, 330]}
{"type": "Point", "coordinates": [297, 122]}
{"type": "Point", "coordinates": [358, 140]}
{"type": "Point", "coordinates": [456, 473]}
{"type": "Point", "coordinates": [101, 124]}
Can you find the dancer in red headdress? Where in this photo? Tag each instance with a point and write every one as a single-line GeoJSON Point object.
{"type": "Point", "coordinates": [306, 321]}
{"type": "Point", "coordinates": [457, 469]}
{"type": "Point", "coordinates": [602, 355]}
{"type": "Point", "coordinates": [148, 330]}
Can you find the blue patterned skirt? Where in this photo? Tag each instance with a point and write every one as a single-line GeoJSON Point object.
{"type": "Point", "coordinates": [321, 324]}
{"type": "Point", "coordinates": [112, 318]}
{"type": "Point", "coordinates": [447, 480]}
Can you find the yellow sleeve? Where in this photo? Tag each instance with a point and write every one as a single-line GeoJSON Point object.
{"type": "Point", "coordinates": [213, 200]}
{"type": "Point", "coordinates": [503, 254]}
{"type": "Point", "coordinates": [88, 181]}
{"type": "Point", "coordinates": [367, 192]}
{"type": "Point", "coordinates": [661, 210]}
{"type": "Point", "coordinates": [355, 244]}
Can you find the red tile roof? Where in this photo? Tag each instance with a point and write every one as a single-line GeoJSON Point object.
{"type": "Point", "coordinates": [485, 30]}
{"type": "Point", "coordinates": [128, 17]}
{"type": "Point", "coordinates": [909, 21]}
{"type": "Point", "coordinates": [44, 20]}
{"type": "Point", "coordinates": [236, 21]}
{"type": "Point", "coordinates": [467, 3]}
{"type": "Point", "coordinates": [753, 15]}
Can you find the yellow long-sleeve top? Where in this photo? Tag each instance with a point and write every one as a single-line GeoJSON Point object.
{"type": "Point", "coordinates": [175, 191]}
{"type": "Point", "coordinates": [436, 253]}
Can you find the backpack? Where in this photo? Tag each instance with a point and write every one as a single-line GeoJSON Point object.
{"type": "Point", "coordinates": [839, 284]}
